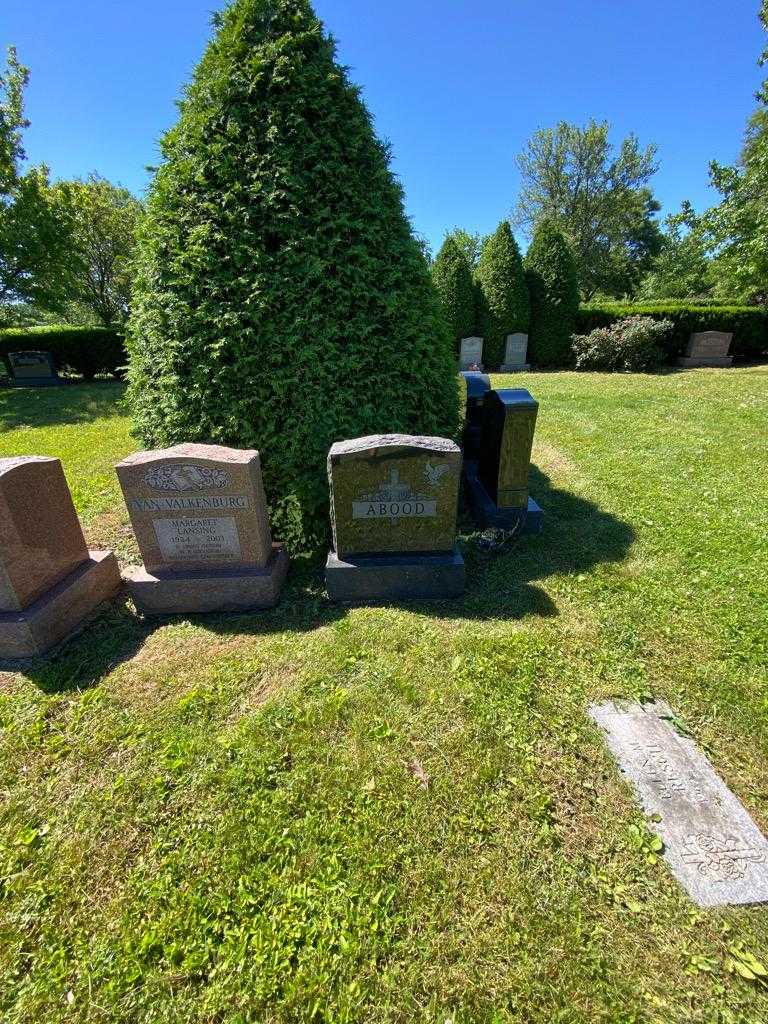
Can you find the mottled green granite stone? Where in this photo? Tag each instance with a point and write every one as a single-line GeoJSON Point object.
{"type": "Point", "coordinates": [394, 493]}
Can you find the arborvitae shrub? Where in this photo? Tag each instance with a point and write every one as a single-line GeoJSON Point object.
{"type": "Point", "coordinates": [554, 291]}
{"type": "Point", "coordinates": [281, 301]}
{"type": "Point", "coordinates": [504, 306]}
{"type": "Point", "coordinates": [452, 275]}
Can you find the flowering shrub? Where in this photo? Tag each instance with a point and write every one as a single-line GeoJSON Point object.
{"type": "Point", "coordinates": [634, 343]}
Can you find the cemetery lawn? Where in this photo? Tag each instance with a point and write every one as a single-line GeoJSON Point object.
{"type": "Point", "coordinates": [402, 814]}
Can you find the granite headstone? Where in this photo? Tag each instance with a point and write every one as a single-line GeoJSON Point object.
{"type": "Point", "coordinates": [471, 354]}
{"type": "Point", "coordinates": [708, 348]}
{"type": "Point", "coordinates": [49, 580]}
{"type": "Point", "coordinates": [200, 520]}
{"type": "Point", "coordinates": [33, 369]}
{"type": "Point", "coordinates": [394, 502]}
{"type": "Point", "coordinates": [477, 385]}
{"type": "Point", "coordinates": [516, 353]}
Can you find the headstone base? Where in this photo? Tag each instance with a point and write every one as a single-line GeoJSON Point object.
{"type": "Point", "coordinates": [208, 590]}
{"type": "Point", "coordinates": [695, 361]}
{"type": "Point", "coordinates": [62, 610]}
{"type": "Point", "coordinates": [514, 367]}
{"type": "Point", "coordinates": [36, 382]}
{"type": "Point", "coordinates": [487, 514]}
{"type": "Point", "coordinates": [365, 579]}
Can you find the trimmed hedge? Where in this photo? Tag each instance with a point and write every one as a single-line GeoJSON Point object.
{"type": "Point", "coordinates": [505, 305]}
{"type": "Point", "coordinates": [452, 277]}
{"type": "Point", "coordinates": [748, 324]}
{"type": "Point", "coordinates": [83, 350]}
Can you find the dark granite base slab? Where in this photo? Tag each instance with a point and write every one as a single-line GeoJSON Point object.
{"type": "Point", "coordinates": [364, 579]}
{"type": "Point", "coordinates": [205, 591]}
{"type": "Point", "coordinates": [514, 368]}
{"type": "Point", "coordinates": [37, 382]}
{"type": "Point", "coordinates": [694, 362]}
{"type": "Point", "coordinates": [62, 610]}
{"type": "Point", "coordinates": [487, 514]}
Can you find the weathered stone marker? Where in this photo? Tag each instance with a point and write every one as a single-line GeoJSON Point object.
{"type": "Point", "coordinates": [708, 348]}
{"type": "Point", "coordinates": [200, 519]}
{"type": "Point", "coordinates": [498, 489]}
{"type": "Point", "coordinates": [471, 354]}
{"type": "Point", "coordinates": [49, 580]}
{"type": "Point", "coordinates": [516, 354]}
{"type": "Point", "coordinates": [394, 501]}
{"type": "Point", "coordinates": [33, 369]}
{"type": "Point", "coordinates": [712, 845]}
{"type": "Point", "coordinates": [477, 386]}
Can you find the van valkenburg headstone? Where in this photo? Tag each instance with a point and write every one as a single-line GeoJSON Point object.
{"type": "Point", "coordinates": [200, 519]}
{"type": "Point", "coordinates": [49, 581]}
{"type": "Point", "coordinates": [516, 354]}
{"type": "Point", "coordinates": [471, 354]}
{"type": "Point", "coordinates": [708, 348]}
{"type": "Point", "coordinates": [498, 489]}
{"type": "Point", "coordinates": [33, 369]}
{"type": "Point", "coordinates": [394, 501]}
{"type": "Point", "coordinates": [712, 845]}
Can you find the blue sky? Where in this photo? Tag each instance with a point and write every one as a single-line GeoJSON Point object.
{"type": "Point", "coordinates": [457, 86]}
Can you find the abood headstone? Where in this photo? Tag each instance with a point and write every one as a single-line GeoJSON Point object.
{"type": "Point", "coordinates": [708, 348]}
{"type": "Point", "coordinates": [49, 580]}
{"type": "Point", "coordinates": [712, 845]}
{"type": "Point", "coordinates": [498, 488]}
{"type": "Point", "coordinates": [33, 369]}
{"type": "Point", "coordinates": [200, 519]}
{"type": "Point", "coordinates": [394, 501]}
{"type": "Point", "coordinates": [516, 354]}
{"type": "Point", "coordinates": [471, 354]}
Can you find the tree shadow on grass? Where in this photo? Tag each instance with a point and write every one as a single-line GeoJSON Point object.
{"type": "Point", "coordinates": [577, 536]}
{"type": "Point", "coordinates": [56, 406]}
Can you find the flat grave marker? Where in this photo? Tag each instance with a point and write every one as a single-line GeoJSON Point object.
{"type": "Point", "coordinates": [712, 845]}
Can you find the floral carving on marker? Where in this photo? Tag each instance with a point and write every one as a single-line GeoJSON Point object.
{"type": "Point", "coordinates": [720, 858]}
{"type": "Point", "coordinates": [187, 478]}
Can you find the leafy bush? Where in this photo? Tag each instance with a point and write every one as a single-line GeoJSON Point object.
{"type": "Point", "coordinates": [83, 350]}
{"type": "Point", "coordinates": [505, 305]}
{"type": "Point", "coordinates": [554, 291]}
{"type": "Point", "coordinates": [635, 343]}
{"type": "Point", "coordinates": [748, 324]}
{"type": "Point", "coordinates": [281, 301]}
{"type": "Point", "coordinates": [452, 277]}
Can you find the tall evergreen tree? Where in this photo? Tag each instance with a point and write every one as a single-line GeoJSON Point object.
{"type": "Point", "coordinates": [281, 300]}
{"type": "Point", "coordinates": [452, 276]}
{"type": "Point", "coordinates": [554, 290]}
{"type": "Point", "coordinates": [505, 305]}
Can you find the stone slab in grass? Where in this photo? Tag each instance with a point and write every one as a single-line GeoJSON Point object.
{"type": "Point", "coordinates": [711, 844]}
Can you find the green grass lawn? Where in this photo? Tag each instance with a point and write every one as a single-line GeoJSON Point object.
{"type": "Point", "coordinates": [219, 821]}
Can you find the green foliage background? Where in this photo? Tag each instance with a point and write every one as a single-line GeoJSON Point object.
{"type": "Point", "coordinates": [281, 301]}
{"type": "Point", "coordinates": [504, 304]}
{"type": "Point", "coordinates": [85, 350]}
{"type": "Point", "coordinates": [452, 276]}
{"type": "Point", "coordinates": [748, 324]}
{"type": "Point", "coordinates": [554, 291]}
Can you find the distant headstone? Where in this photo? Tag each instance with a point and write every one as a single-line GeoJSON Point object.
{"type": "Point", "coordinates": [200, 519]}
{"type": "Point", "coordinates": [49, 581]}
{"type": "Point", "coordinates": [471, 354]}
{"type": "Point", "coordinates": [33, 369]}
{"type": "Point", "coordinates": [711, 844]}
{"type": "Point", "coordinates": [708, 348]}
{"type": "Point", "coordinates": [516, 354]}
{"type": "Point", "coordinates": [394, 502]}
{"type": "Point", "coordinates": [498, 490]}
{"type": "Point", "coordinates": [477, 386]}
